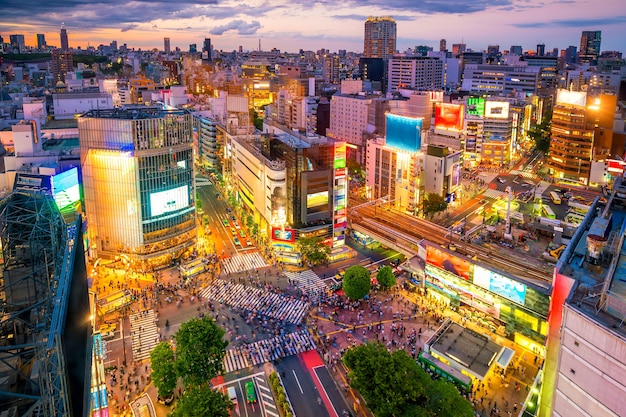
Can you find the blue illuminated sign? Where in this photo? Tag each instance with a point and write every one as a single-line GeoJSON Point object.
{"type": "Point", "coordinates": [404, 133]}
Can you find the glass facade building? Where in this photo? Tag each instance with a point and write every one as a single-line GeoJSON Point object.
{"type": "Point", "coordinates": [138, 182]}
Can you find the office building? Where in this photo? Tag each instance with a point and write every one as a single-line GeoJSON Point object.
{"type": "Point", "coordinates": [64, 41]}
{"type": "Point", "coordinates": [380, 37]}
{"type": "Point", "coordinates": [414, 73]}
{"type": "Point", "coordinates": [41, 41]}
{"type": "Point", "coordinates": [373, 69]}
{"type": "Point", "coordinates": [442, 45]}
{"type": "Point", "coordinates": [458, 48]}
{"type": "Point", "coordinates": [500, 80]}
{"type": "Point", "coordinates": [590, 42]}
{"type": "Point", "coordinates": [515, 50]}
{"type": "Point", "coordinates": [138, 183]}
{"type": "Point", "coordinates": [541, 49]}
{"type": "Point", "coordinates": [166, 45]}
{"type": "Point", "coordinates": [18, 44]}
{"type": "Point", "coordinates": [582, 131]}
{"type": "Point", "coordinates": [586, 346]}
{"type": "Point", "coordinates": [207, 51]}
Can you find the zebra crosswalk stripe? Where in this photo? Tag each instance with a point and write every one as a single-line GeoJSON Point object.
{"type": "Point", "coordinates": [144, 334]}
{"type": "Point", "coordinates": [244, 262]}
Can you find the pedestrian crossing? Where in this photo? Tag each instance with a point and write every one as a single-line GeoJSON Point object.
{"type": "Point", "coordinates": [260, 301]}
{"type": "Point", "coordinates": [524, 174]}
{"type": "Point", "coordinates": [308, 281]}
{"type": "Point", "coordinates": [493, 193]}
{"type": "Point", "coordinates": [243, 262]}
{"type": "Point", "coordinates": [262, 351]}
{"type": "Point", "coordinates": [265, 396]}
{"type": "Point", "coordinates": [144, 334]}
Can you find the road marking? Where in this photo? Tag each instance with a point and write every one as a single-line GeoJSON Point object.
{"type": "Point", "coordinates": [299, 386]}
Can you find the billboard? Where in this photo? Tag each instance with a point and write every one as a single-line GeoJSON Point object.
{"type": "Point", "coordinates": [574, 98]}
{"type": "Point", "coordinates": [169, 200]}
{"type": "Point", "coordinates": [283, 235]}
{"type": "Point", "coordinates": [497, 109]}
{"type": "Point", "coordinates": [317, 199]}
{"type": "Point", "coordinates": [404, 132]}
{"type": "Point", "coordinates": [447, 261]}
{"type": "Point", "coordinates": [476, 106]}
{"type": "Point", "coordinates": [499, 284]}
{"type": "Point", "coordinates": [449, 116]}
{"type": "Point", "coordinates": [65, 188]}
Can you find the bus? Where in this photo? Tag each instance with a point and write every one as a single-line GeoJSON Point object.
{"type": "Point", "coordinates": [445, 371]}
{"type": "Point", "coordinates": [192, 268]}
{"type": "Point", "coordinates": [548, 212]}
{"type": "Point", "coordinates": [289, 258]}
{"type": "Point", "coordinates": [115, 301]}
{"type": "Point", "coordinates": [555, 197]}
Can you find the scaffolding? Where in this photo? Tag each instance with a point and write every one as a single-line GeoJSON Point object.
{"type": "Point", "coordinates": [38, 250]}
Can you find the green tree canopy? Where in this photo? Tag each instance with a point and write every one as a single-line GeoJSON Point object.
{"type": "Point", "coordinates": [163, 369]}
{"type": "Point", "coordinates": [202, 401]}
{"type": "Point", "coordinates": [541, 133]}
{"type": "Point", "coordinates": [385, 277]}
{"type": "Point", "coordinates": [200, 349]}
{"type": "Point", "coordinates": [357, 282]}
{"type": "Point", "coordinates": [313, 249]}
{"type": "Point", "coordinates": [434, 203]}
{"type": "Point", "coordinates": [393, 384]}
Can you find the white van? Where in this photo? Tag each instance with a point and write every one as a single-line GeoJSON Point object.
{"type": "Point", "coordinates": [232, 394]}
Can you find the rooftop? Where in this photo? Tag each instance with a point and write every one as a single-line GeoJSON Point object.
{"type": "Point", "coordinates": [134, 113]}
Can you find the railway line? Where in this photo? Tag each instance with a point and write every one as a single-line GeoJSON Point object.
{"type": "Point", "coordinates": [407, 231]}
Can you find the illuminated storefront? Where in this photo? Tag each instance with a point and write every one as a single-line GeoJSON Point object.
{"type": "Point", "coordinates": [505, 305]}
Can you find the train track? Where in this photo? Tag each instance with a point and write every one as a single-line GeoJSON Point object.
{"type": "Point", "coordinates": [406, 232]}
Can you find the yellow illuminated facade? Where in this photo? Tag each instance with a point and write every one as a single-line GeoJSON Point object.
{"type": "Point", "coordinates": [139, 192]}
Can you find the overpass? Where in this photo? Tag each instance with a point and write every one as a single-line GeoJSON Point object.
{"type": "Point", "coordinates": [393, 239]}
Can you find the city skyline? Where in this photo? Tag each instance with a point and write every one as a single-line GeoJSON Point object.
{"type": "Point", "coordinates": [313, 26]}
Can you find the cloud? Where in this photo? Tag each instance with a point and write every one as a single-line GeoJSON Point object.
{"type": "Point", "coordinates": [240, 26]}
{"type": "Point", "coordinates": [128, 28]}
{"type": "Point", "coordinates": [573, 23]}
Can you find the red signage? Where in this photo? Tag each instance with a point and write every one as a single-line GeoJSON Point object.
{"type": "Point", "coordinates": [283, 235]}
{"type": "Point", "coordinates": [449, 116]}
{"type": "Point", "coordinates": [447, 261]}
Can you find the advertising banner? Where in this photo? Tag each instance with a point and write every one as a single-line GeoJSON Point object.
{"type": "Point", "coordinates": [497, 109]}
{"type": "Point", "coordinates": [449, 116]}
{"type": "Point", "coordinates": [448, 262]}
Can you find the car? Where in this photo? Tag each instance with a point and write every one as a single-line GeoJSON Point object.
{"type": "Point", "coordinates": [228, 210]}
{"type": "Point", "coordinates": [242, 233]}
{"type": "Point", "coordinates": [500, 180]}
{"type": "Point", "coordinates": [395, 262]}
{"type": "Point", "coordinates": [233, 218]}
{"type": "Point", "coordinates": [236, 223]}
{"type": "Point", "coordinates": [233, 231]}
{"type": "Point", "coordinates": [225, 222]}
{"type": "Point", "coordinates": [249, 243]}
{"type": "Point", "coordinates": [237, 241]}
{"type": "Point", "coordinates": [250, 392]}
{"type": "Point", "coordinates": [232, 394]}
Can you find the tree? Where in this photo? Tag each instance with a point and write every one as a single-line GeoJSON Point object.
{"type": "Point", "coordinates": [313, 249]}
{"type": "Point", "coordinates": [201, 401]}
{"type": "Point", "coordinates": [357, 282]}
{"type": "Point", "coordinates": [163, 369]}
{"type": "Point", "coordinates": [256, 120]}
{"type": "Point", "coordinates": [434, 203]}
{"type": "Point", "coordinates": [385, 277]}
{"type": "Point", "coordinates": [200, 349]}
{"type": "Point", "coordinates": [541, 133]}
{"type": "Point", "coordinates": [393, 384]}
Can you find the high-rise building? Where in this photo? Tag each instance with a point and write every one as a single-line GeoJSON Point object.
{"type": "Point", "coordinates": [442, 45]}
{"type": "Point", "coordinates": [166, 45]}
{"type": "Point", "coordinates": [64, 41]}
{"type": "Point", "coordinates": [138, 183]}
{"type": "Point", "coordinates": [570, 55]}
{"type": "Point", "coordinates": [114, 45]}
{"type": "Point", "coordinates": [515, 50]}
{"type": "Point", "coordinates": [458, 48]}
{"type": "Point", "coordinates": [61, 64]}
{"type": "Point", "coordinates": [415, 73]}
{"type": "Point", "coordinates": [380, 37]}
{"type": "Point", "coordinates": [207, 50]}
{"type": "Point", "coordinates": [193, 48]}
{"type": "Point", "coordinates": [41, 41]}
{"type": "Point", "coordinates": [541, 49]}
{"type": "Point", "coordinates": [18, 44]}
{"type": "Point", "coordinates": [590, 46]}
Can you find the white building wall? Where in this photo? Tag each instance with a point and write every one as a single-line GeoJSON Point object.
{"type": "Point", "coordinates": [348, 118]}
{"type": "Point", "coordinates": [67, 106]}
{"type": "Point", "coordinates": [592, 363]}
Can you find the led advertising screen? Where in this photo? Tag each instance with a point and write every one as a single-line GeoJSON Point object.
{"type": "Point", "coordinates": [283, 235]}
{"type": "Point", "coordinates": [447, 261]}
{"type": "Point", "coordinates": [449, 116]}
{"type": "Point", "coordinates": [65, 188]}
{"type": "Point", "coordinates": [169, 200]}
{"type": "Point", "coordinates": [317, 199]}
{"type": "Point", "coordinates": [403, 132]}
{"type": "Point", "coordinates": [501, 285]}
{"type": "Point", "coordinates": [497, 109]}
{"type": "Point", "coordinates": [476, 106]}
{"type": "Point", "coordinates": [575, 98]}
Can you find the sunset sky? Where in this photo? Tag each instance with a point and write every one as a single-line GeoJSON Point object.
{"type": "Point", "coordinates": [290, 25]}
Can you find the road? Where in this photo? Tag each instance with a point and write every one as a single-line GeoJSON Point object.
{"type": "Point", "coordinates": [306, 379]}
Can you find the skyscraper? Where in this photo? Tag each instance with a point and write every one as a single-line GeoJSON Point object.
{"type": "Point", "coordinates": [541, 49]}
{"type": "Point", "coordinates": [590, 46]}
{"type": "Point", "coordinates": [380, 37]}
{"type": "Point", "coordinates": [442, 45]}
{"type": "Point", "coordinates": [17, 43]}
{"type": "Point", "coordinates": [41, 41]}
{"type": "Point", "coordinates": [64, 41]}
{"type": "Point", "coordinates": [207, 50]}
{"type": "Point", "coordinates": [166, 45]}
